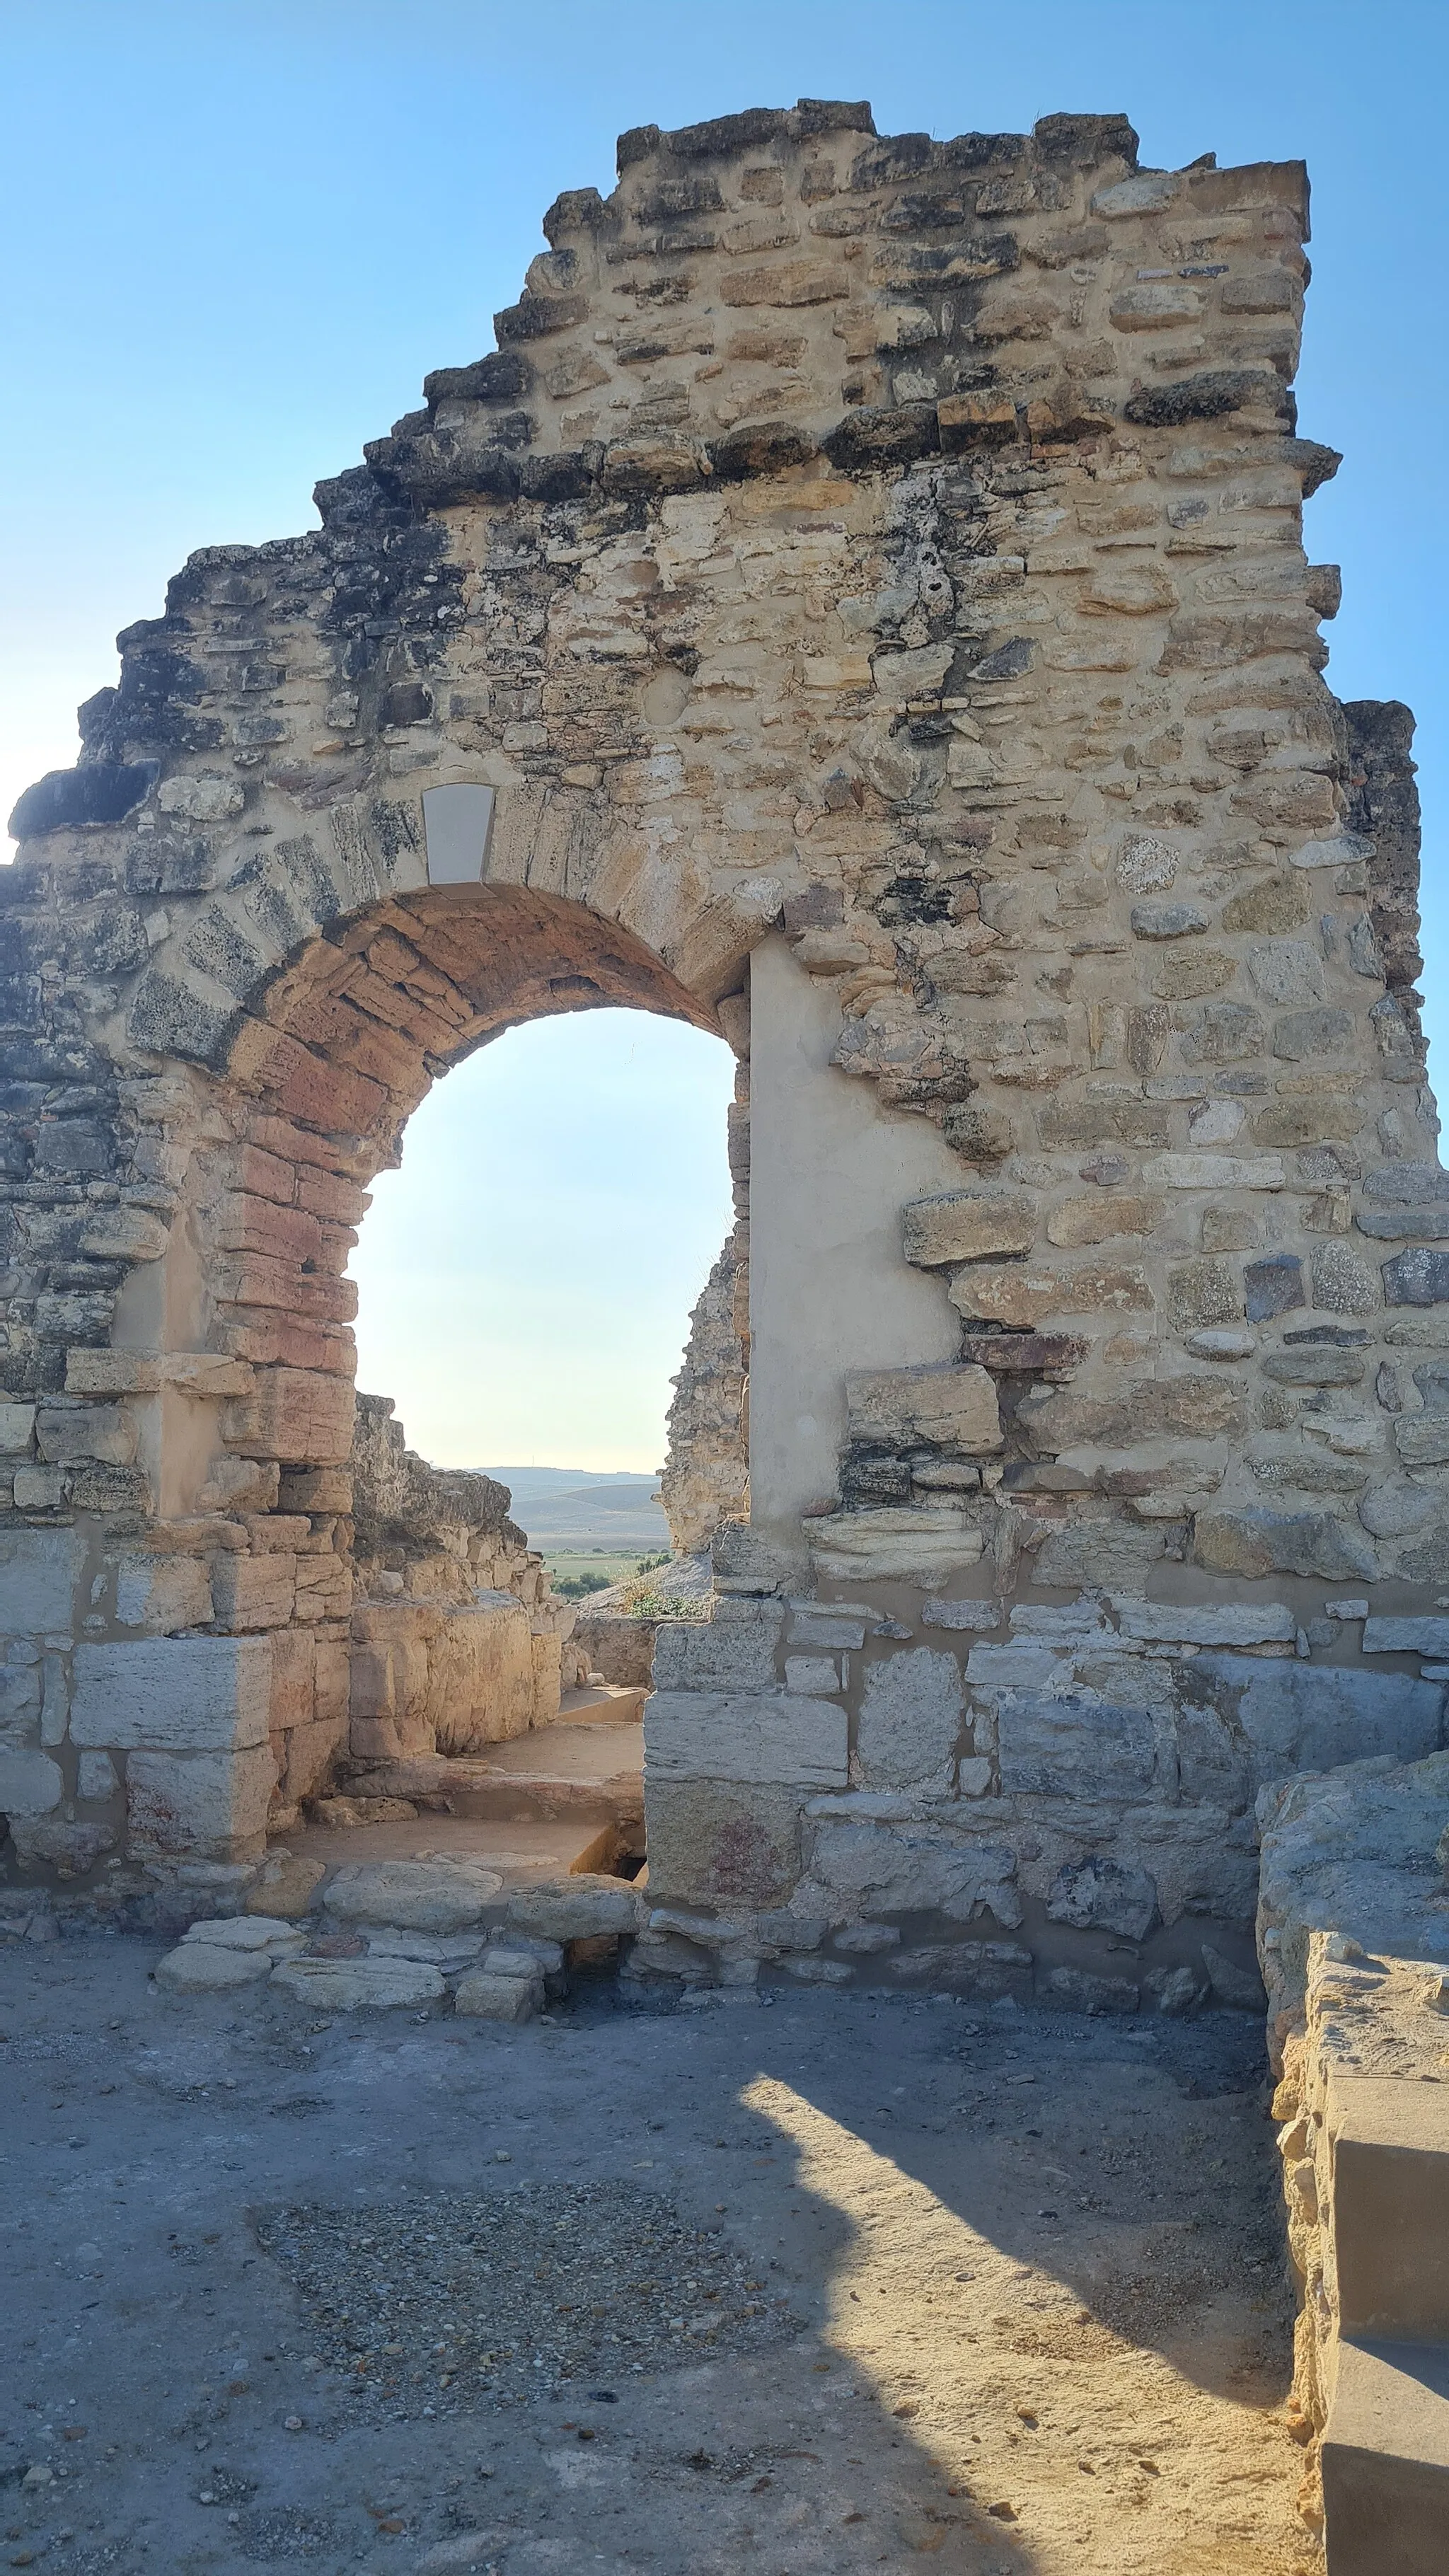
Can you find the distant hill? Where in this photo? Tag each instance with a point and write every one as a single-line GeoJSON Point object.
{"type": "Point", "coordinates": [565, 1508]}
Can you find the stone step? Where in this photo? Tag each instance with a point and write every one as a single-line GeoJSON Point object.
{"type": "Point", "coordinates": [1391, 2209]}
{"type": "Point", "coordinates": [592, 1766]}
{"type": "Point", "coordinates": [1386, 2461]}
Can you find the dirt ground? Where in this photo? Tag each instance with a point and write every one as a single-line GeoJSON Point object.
{"type": "Point", "coordinates": [831, 2283]}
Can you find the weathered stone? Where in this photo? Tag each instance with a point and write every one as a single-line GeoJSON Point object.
{"type": "Point", "coordinates": [1261, 1542]}
{"type": "Point", "coordinates": [1103, 1895]}
{"type": "Point", "coordinates": [286, 1887]}
{"type": "Point", "coordinates": [712, 1655]}
{"type": "Point", "coordinates": [206, 1968]}
{"type": "Point", "coordinates": [30, 1784]}
{"type": "Point", "coordinates": [484, 1995]}
{"type": "Point", "coordinates": [1239, 1988]}
{"type": "Point", "coordinates": [1416, 1278]}
{"type": "Point", "coordinates": [1072, 1748]}
{"type": "Point", "coordinates": [764, 1737]}
{"type": "Point", "coordinates": [1102, 1216]}
{"type": "Point", "coordinates": [1406, 1636]}
{"type": "Point", "coordinates": [910, 1718]}
{"type": "Point", "coordinates": [194, 1694]}
{"type": "Point", "coordinates": [965, 1225]}
{"type": "Point", "coordinates": [889, 1868]}
{"type": "Point", "coordinates": [1273, 1286]}
{"type": "Point", "coordinates": [582, 1908]}
{"type": "Point", "coordinates": [1229, 1623]}
{"type": "Point", "coordinates": [39, 1570]}
{"type": "Point", "coordinates": [1025, 1294]}
{"type": "Point", "coordinates": [722, 1842]}
{"type": "Point", "coordinates": [351, 1985]}
{"type": "Point", "coordinates": [1292, 1716]}
{"type": "Point", "coordinates": [952, 1408]}
{"type": "Point", "coordinates": [923, 1545]}
{"type": "Point", "coordinates": [420, 1896]}
{"type": "Point", "coordinates": [198, 1802]}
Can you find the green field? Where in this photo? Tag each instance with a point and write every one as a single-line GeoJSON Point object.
{"type": "Point", "coordinates": [594, 1566]}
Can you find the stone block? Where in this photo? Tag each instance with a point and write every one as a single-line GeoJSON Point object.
{"type": "Point", "coordinates": [764, 1737]}
{"type": "Point", "coordinates": [17, 1424]}
{"type": "Point", "coordinates": [824, 1629]}
{"type": "Point", "coordinates": [968, 1225]}
{"type": "Point", "coordinates": [208, 1969]}
{"type": "Point", "coordinates": [96, 1776]}
{"type": "Point", "coordinates": [1077, 1748]}
{"type": "Point", "coordinates": [350, 1985]}
{"type": "Point", "coordinates": [875, 1867]}
{"type": "Point", "coordinates": [106, 1432]}
{"type": "Point", "coordinates": [1417, 1278]}
{"type": "Point", "coordinates": [963, 1616]}
{"type": "Point", "coordinates": [722, 1843]}
{"type": "Point", "coordinates": [254, 1592]}
{"type": "Point", "coordinates": [1203, 1292]}
{"type": "Point", "coordinates": [1227, 1623]}
{"type": "Point", "coordinates": [68, 1848]}
{"type": "Point", "coordinates": [924, 1545]}
{"type": "Point", "coordinates": [1273, 1286]}
{"type": "Point", "coordinates": [1293, 1716]}
{"type": "Point", "coordinates": [910, 1720]}
{"type": "Point", "coordinates": [717, 1655]}
{"type": "Point", "coordinates": [950, 1408]}
{"type": "Point", "coordinates": [1261, 1542]}
{"type": "Point", "coordinates": [193, 1694]}
{"type": "Point", "coordinates": [1101, 1217]}
{"type": "Point", "coordinates": [30, 1784]}
{"type": "Point", "coordinates": [1026, 1294]}
{"type": "Point", "coordinates": [311, 1754]}
{"type": "Point", "coordinates": [39, 1571]}
{"type": "Point", "coordinates": [1343, 1283]}
{"type": "Point", "coordinates": [1241, 1989]}
{"type": "Point", "coordinates": [286, 1887]}
{"type": "Point", "coordinates": [485, 1995]}
{"type": "Point", "coordinates": [197, 1803]}
{"type": "Point", "coordinates": [581, 1907]}
{"type": "Point", "coordinates": [414, 1895]}
{"type": "Point", "coordinates": [1422, 1439]}
{"type": "Point", "coordinates": [162, 1594]}
{"type": "Point", "coordinates": [298, 1415]}
{"type": "Point", "coordinates": [1406, 1636]}
{"type": "Point", "coordinates": [1103, 1895]}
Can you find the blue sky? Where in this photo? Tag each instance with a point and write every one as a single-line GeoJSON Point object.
{"type": "Point", "coordinates": [239, 233]}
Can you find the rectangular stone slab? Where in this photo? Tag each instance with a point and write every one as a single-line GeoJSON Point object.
{"type": "Point", "coordinates": [706, 1735]}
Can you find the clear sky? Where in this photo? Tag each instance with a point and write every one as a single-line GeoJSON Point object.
{"type": "Point", "coordinates": [238, 233]}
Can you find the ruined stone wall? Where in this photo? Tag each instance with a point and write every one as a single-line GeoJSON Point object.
{"type": "Point", "coordinates": [706, 1476]}
{"type": "Point", "coordinates": [889, 552]}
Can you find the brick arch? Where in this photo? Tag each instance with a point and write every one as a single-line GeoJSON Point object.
{"type": "Point", "coordinates": [321, 1077]}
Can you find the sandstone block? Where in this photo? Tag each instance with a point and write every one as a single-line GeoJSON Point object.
{"type": "Point", "coordinates": [162, 1593]}
{"type": "Point", "coordinates": [965, 1225]}
{"type": "Point", "coordinates": [298, 1415]}
{"type": "Point", "coordinates": [1101, 1216]}
{"type": "Point", "coordinates": [922, 1545]}
{"type": "Point", "coordinates": [1072, 1748]}
{"type": "Point", "coordinates": [286, 1887]}
{"type": "Point", "coordinates": [910, 1720]}
{"type": "Point", "coordinates": [196, 1803]}
{"type": "Point", "coordinates": [722, 1842]}
{"type": "Point", "coordinates": [485, 1995]}
{"type": "Point", "coordinates": [715, 1655]}
{"type": "Point", "coordinates": [1027, 1294]}
{"type": "Point", "coordinates": [349, 1985]}
{"type": "Point", "coordinates": [414, 1895]}
{"type": "Point", "coordinates": [202, 1694]}
{"type": "Point", "coordinates": [1261, 1542]}
{"type": "Point", "coordinates": [253, 1592]}
{"type": "Point", "coordinates": [765, 1738]}
{"type": "Point", "coordinates": [1229, 1623]}
{"type": "Point", "coordinates": [205, 1968]}
{"type": "Point", "coordinates": [582, 1907]}
{"type": "Point", "coordinates": [39, 1571]}
{"type": "Point", "coordinates": [952, 1408]}
{"type": "Point", "coordinates": [1420, 1635]}
{"type": "Point", "coordinates": [882, 1868]}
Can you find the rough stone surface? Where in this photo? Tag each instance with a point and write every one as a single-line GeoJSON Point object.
{"type": "Point", "coordinates": [910, 1719]}
{"type": "Point", "coordinates": [348, 1985]}
{"type": "Point", "coordinates": [420, 1896]}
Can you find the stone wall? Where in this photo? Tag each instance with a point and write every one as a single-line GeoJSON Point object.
{"type": "Point", "coordinates": [859, 607]}
{"type": "Point", "coordinates": [706, 1476]}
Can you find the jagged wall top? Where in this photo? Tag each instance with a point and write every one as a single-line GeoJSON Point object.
{"type": "Point", "coordinates": [825, 289]}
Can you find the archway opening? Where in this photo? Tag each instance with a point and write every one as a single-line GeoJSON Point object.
{"type": "Point", "coordinates": [542, 1107]}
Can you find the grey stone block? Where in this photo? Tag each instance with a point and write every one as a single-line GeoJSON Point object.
{"type": "Point", "coordinates": [1412, 1636]}
{"type": "Point", "coordinates": [30, 1784]}
{"type": "Point", "coordinates": [39, 1571]}
{"type": "Point", "coordinates": [195, 1803]}
{"type": "Point", "coordinates": [695, 1735]}
{"type": "Point", "coordinates": [910, 1720]}
{"type": "Point", "coordinates": [1416, 1278]}
{"type": "Point", "coordinates": [1295, 1716]}
{"type": "Point", "coordinates": [198, 1694]}
{"type": "Point", "coordinates": [1074, 1990]}
{"type": "Point", "coordinates": [1229, 1623]}
{"type": "Point", "coordinates": [715, 1655]}
{"type": "Point", "coordinates": [885, 1868]}
{"type": "Point", "coordinates": [1072, 1748]}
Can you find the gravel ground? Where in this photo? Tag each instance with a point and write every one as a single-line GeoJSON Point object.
{"type": "Point", "coordinates": [455, 2299]}
{"type": "Point", "coordinates": [1017, 2283]}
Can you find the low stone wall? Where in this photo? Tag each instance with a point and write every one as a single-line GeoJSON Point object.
{"type": "Point", "coordinates": [1354, 1903]}
{"type": "Point", "coordinates": [1048, 1798]}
